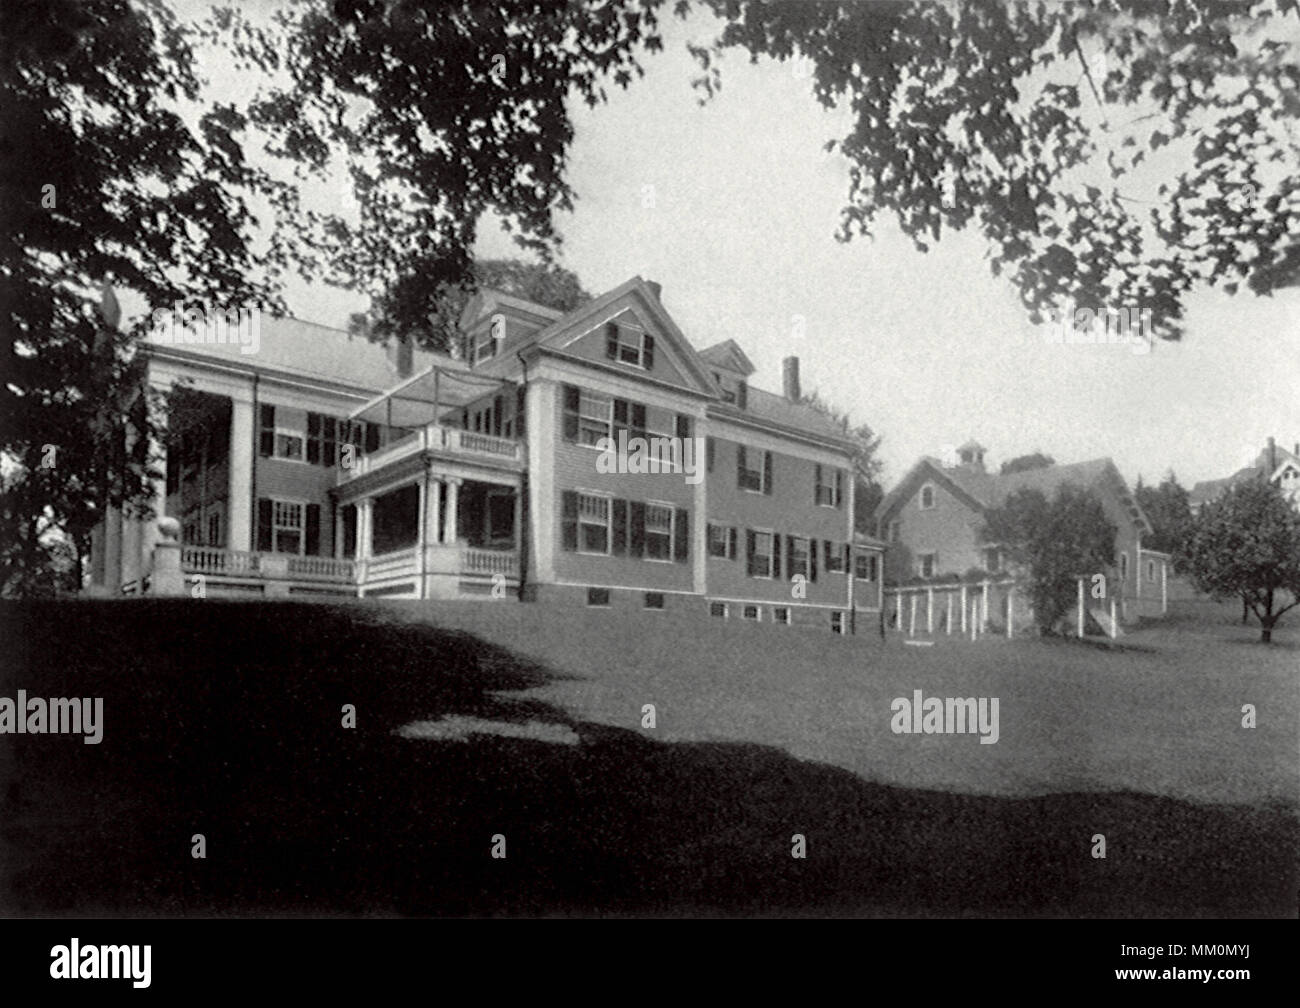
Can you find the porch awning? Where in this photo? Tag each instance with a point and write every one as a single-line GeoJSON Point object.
{"type": "Point", "coordinates": [423, 397]}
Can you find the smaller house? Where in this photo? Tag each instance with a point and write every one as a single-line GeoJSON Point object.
{"type": "Point", "coordinates": [933, 521]}
{"type": "Point", "coordinates": [1279, 466]}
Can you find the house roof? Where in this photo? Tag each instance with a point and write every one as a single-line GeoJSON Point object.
{"type": "Point", "coordinates": [312, 350]}
{"type": "Point", "coordinates": [984, 490]}
{"type": "Point", "coordinates": [728, 354]}
{"type": "Point", "coordinates": [1208, 490]}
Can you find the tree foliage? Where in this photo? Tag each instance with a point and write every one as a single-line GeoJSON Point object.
{"type": "Point", "coordinates": [1167, 509]}
{"type": "Point", "coordinates": [1023, 463]}
{"type": "Point", "coordinates": [1113, 153]}
{"type": "Point", "coordinates": [1247, 544]}
{"type": "Point", "coordinates": [102, 181]}
{"type": "Point", "coordinates": [1052, 544]}
{"type": "Point", "coordinates": [440, 112]}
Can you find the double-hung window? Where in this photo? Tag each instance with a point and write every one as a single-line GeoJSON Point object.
{"type": "Point", "coordinates": [286, 527]}
{"type": "Point", "coordinates": [593, 524]}
{"type": "Point", "coordinates": [659, 532]}
{"type": "Point", "coordinates": [595, 417]}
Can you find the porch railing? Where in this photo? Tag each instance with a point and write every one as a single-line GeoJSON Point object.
{"type": "Point", "coordinates": [210, 560]}
{"type": "Point", "coordinates": [234, 563]}
{"type": "Point", "coordinates": [435, 437]}
{"type": "Point", "coordinates": [324, 568]}
{"type": "Point", "coordinates": [486, 561]}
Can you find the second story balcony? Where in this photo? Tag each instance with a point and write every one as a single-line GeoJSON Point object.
{"type": "Point", "coordinates": [433, 412]}
{"type": "Point", "coordinates": [437, 438]}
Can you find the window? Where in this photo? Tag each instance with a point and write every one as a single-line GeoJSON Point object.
{"type": "Point", "coordinates": [864, 567]}
{"type": "Point", "coordinates": [828, 483]}
{"type": "Point", "coordinates": [593, 524]}
{"type": "Point", "coordinates": [214, 530]}
{"type": "Point", "coordinates": [718, 609]}
{"type": "Point", "coordinates": [756, 480]}
{"type": "Point", "coordinates": [752, 612]}
{"type": "Point", "coordinates": [629, 346]}
{"type": "Point", "coordinates": [598, 596]}
{"type": "Point", "coordinates": [837, 557]}
{"type": "Point", "coordinates": [760, 554]}
{"type": "Point", "coordinates": [288, 445]}
{"type": "Point", "coordinates": [659, 532]}
{"type": "Point", "coordinates": [708, 452]}
{"type": "Point", "coordinates": [1123, 566]}
{"type": "Point", "coordinates": [322, 439]}
{"type": "Point", "coordinates": [927, 497]}
{"type": "Point", "coordinates": [928, 562]}
{"type": "Point", "coordinates": [1151, 570]}
{"type": "Point", "coordinates": [595, 416]}
{"type": "Point", "coordinates": [781, 614]}
{"type": "Point", "coordinates": [837, 622]}
{"type": "Point", "coordinates": [992, 559]}
{"type": "Point", "coordinates": [286, 527]}
{"type": "Point", "coordinates": [800, 561]}
{"type": "Point", "coordinates": [654, 600]}
{"type": "Point", "coordinates": [722, 542]}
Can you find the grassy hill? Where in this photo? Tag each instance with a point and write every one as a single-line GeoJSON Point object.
{"type": "Point", "coordinates": [481, 719]}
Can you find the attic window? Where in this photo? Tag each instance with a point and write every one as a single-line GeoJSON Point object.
{"type": "Point", "coordinates": [927, 497]}
{"type": "Point", "coordinates": [629, 346]}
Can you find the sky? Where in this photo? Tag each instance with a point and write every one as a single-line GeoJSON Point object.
{"type": "Point", "coordinates": [732, 207]}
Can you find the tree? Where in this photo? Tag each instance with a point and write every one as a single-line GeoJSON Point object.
{"type": "Point", "coordinates": [1052, 544]}
{"type": "Point", "coordinates": [1023, 463]}
{"type": "Point", "coordinates": [1247, 544]}
{"type": "Point", "coordinates": [440, 112]}
{"type": "Point", "coordinates": [867, 491]}
{"type": "Point", "coordinates": [101, 181]}
{"type": "Point", "coordinates": [541, 283]}
{"type": "Point", "coordinates": [1046, 125]}
{"type": "Point", "coordinates": [1168, 511]}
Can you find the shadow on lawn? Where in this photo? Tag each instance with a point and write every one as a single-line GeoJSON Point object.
{"type": "Point", "coordinates": [224, 719]}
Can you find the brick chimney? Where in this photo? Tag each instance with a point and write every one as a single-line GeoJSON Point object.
{"type": "Point", "coordinates": [402, 356]}
{"type": "Point", "coordinates": [656, 289]}
{"type": "Point", "coordinates": [790, 376]}
{"type": "Point", "coordinates": [1272, 456]}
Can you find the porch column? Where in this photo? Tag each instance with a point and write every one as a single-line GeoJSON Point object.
{"type": "Point", "coordinates": [1081, 608]}
{"type": "Point", "coordinates": [929, 610]}
{"type": "Point", "coordinates": [984, 610]}
{"type": "Point", "coordinates": [432, 510]}
{"type": "Point", "coordinates": [151, 535]}
{"type": "Point", "coordinates": [963, 608]}
{"type": "Point", "coordinates": [947, 623]}
{"type": "Point", "coordinates": [1164, 588]}
{"type": "Point", "coordinates": [365, 514]}
{"type": "Point", "coordinates": [1011, 592]}
{"type": "Point", "coordinates": [239, 503]}
{"type": "Point", "coordinates": [453, 492]}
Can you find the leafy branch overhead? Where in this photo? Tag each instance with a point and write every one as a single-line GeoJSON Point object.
{"type": "Point", "coordinates": [1114, 153]}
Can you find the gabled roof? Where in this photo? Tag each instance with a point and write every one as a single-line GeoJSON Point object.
{"type": "Point", "coordinates": [1208, 490]}
{"type": "Point", "coordinates": [728, 355]}
{"type": "Point", "coordinates": [982, 491]}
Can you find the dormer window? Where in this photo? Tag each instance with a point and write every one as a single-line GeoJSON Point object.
{"type": "Point", "coordinates": [629, 346]}
{"type": "Point", "coordinates": [927, 497]}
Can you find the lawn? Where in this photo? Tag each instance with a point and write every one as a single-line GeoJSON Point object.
{"type": "Point", "coordinates": [476, 720]}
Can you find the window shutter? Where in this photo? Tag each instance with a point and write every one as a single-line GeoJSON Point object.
{"type": "Point", "coordinates": [817, 483]}
{"type": "Point", "coordinates": [636, 538]}
{"type": "Point", "coordinates": [740, 466]}
{"type": "Point", "coordinates": [569, 402]}
{"type": "Point", "coordinates": [638, 420]}
{"type": "Point", "coordinates": [331, 452]}
{"type": "Point", "coordinates": [812, 559]}
{"type": "Point", "coordinates": [569, 520]}
{"type": "Point", "coordinates": [789, 557]}
{"type": "Point", "coordinates": [731, 543]}
{"type": "Point", "coordinates": [776, 556]}
{"type": "Point", "coordinates": [683, 426]}
{"type": "Point", "coordinates": [767, 473]}
{"type": "Point", "coordinates": [264, 524]}
{"type": "Point", "coordinates": [839, 487]}
{"type": "Point", "coordinates": [682, 538]}
{"type": "Point", "coordinates": [372, 437]}
{"type": "Point", "coordinates": [519, 410]}
{"type": "Point", "coordinates": [708, 538]}
{"type": "Point", "coordinates": [619, 545]}
{"type": "Point", "coordinates": [708, 452]}
{"type": "Point", "coordinates": [312, 543]}
{"type": "Point", "coordinates": [498, 411]}
{"type": "Point", "coordinates": [313, 438]}
{"type": "Point", "coordinates": [749, 552]}
{"type": "Point", "coordinates": [611, 340]}
{"type": "Point", "coordinates": [742, 395]}
{"type": "Point", "coordinates": [266, 433]}
{"type": "Point", "coordinates": [648, 357]}
{"type": "Point", "coordinates": [847, 557]}
{"type": "Point", "coordinates": [620, 416]}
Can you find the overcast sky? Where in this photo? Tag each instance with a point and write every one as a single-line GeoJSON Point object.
{"type": "Point", "coordinates": [928, 349]}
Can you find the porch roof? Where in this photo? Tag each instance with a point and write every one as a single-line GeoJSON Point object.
{"type": "Point", "coordinates": [422, 397]}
